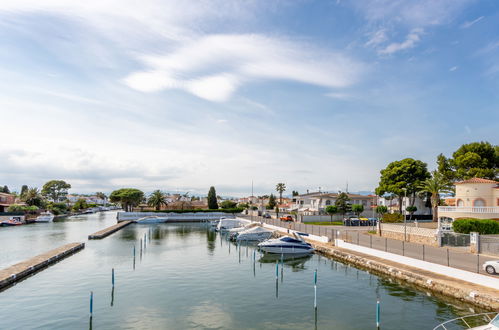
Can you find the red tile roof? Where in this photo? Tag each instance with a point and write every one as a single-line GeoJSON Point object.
{"type": "Point", "coordinates": [477, 180]}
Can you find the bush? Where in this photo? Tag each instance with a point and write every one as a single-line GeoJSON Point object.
{"type": "Point", "coordinates": [233, 210]}
{"type": "Point", "coordinates": [481, 226]}
{"type": "Point", "coordinates": [393, 217]}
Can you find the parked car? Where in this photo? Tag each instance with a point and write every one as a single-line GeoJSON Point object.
{"type": "Point", "coordinates": [266, 216]}
{"type": "Point", "coordinates": [286, 218]}
{"type": "Point", "coordinates": [491, 267]}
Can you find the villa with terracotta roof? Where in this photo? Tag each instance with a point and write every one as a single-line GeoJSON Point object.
{"type": "Point", "coordinates": [475, 198]}
{"type": "Point", "coordinates": [6, 200]}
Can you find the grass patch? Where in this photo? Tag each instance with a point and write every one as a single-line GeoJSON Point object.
{"type": "Point", "coordinates": [325, 223]}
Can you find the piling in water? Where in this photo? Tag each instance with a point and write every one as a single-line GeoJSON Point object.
{"type": "Point", "coordinates": [112, 277]}
{"type": "Point", "coordinates": [91, 303]}
{"type": "Point", "coordinates": [377, 314]}
{"type": "Point", "coordinates": [315, 289]}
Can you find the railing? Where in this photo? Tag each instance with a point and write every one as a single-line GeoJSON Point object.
{"type": "Point", "coordinates": [468, 209]}
{"type": "Point", "coordinates": [469, 321]}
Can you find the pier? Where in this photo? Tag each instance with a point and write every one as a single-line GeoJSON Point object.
{"type": "Point", "coordinates": [109, 230]}
{"type": "Point", "coordinates": [14, 273]}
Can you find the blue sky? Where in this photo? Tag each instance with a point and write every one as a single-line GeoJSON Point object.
{"type": "Point", "coordinates": [183, 95]}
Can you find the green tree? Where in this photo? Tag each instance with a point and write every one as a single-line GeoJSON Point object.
{"type": "Point", "coordinates": [5, 189]}
{"type": "Point", "coordinates": [127, 197]}
{"type": "Point", "coordinates": [212, 199]}
{"type": "Point", "coordinates": [402, 178]}
{"type": "Point", "coordinates": [435, 185]}
{"type": "Point", "coordinates": [24, 190]}
{"type": "Point", "coordinates": [381, 210]}
{"type": "Point", "coordinates": [33, 197]}
{"type": "Point", "coordinates": [342, 203]}
{"type": "Point", "coordinates": [331, 210]}
{"type": "Point", "coordinates": [101, 195]}
{"type": "Point", "coordinates": [295, 193]}
{"type": "Point", "coordinates": [228, 204]}
{"type": "Point", "coordinates": [156, 199]}
{"type": "Point", "coordinates": [411, 210]}
{"type": "Point", "coordinates": [357, 209]}
{"type": "Point", "coordinates": [476, 159]}
{"type": "Point", "coordinates": [272, 202]}
{"type": "Point", "coordinates": [280, 188]}
{"type": "Point", "coordinates": [80, 204]}
{"type": "Point", "coordinates": [56, 190]}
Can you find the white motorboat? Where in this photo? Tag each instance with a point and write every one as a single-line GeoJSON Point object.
{"type": "Point", "coordinates": [482, 321]}
{"type": "Point", "coordinates": [45, 217]}
{"type": "Point", "coordinates": [254, 234]}
{"type": "Point", "coordinates": [286, 244]}
{"type": "Point", "coordinates": [152, 219]}
{"type": "Point", "coordinates": [227, 224]}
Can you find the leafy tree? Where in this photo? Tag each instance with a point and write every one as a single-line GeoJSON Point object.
{"type": "Point", "coordinates": [411, 210]}
{"type": "Point", "coordinates": [357, 209]}
{"type": "Point", "coordinates": [331, 210]}
{"type": "Point", "coordinates": [56, 190]}
{"type": "Point", "coordinates": [476, 159]}
{"type": "Point", "coordinates": [101, 195]}
{"type": "Point", "coordinates": [5, 189]}
{"type": "Point", "coordinates": [127, 197]}
{"type": "Point", "coordinates": [401, 178]}
{"type": "Point", "coordinates": [295, 193]}
{"type": "Point", "coordinates": [228, 204]}
{"type": "Point", "coordinates": [16, 208]}
{"type": "Point", "coordinates": [435, 185]}
{"type": "Point", "coordinates": [24, 190]}
{"type": "Point", "coordinates": [272, 202]}
{"type": "Point", "coordinates": [33, 197]}
{"type": "Point", "coordinates": [381, 210]}
{"type": "Point", "coordinates": [80, 204]}
{"type": "Point", "coordinates": [342, 203]}
{"type": "Point", "coordinates": [244, 205]}
{"type": "Point", "coordinates": [280, 188]}
{"type": "Point", "coordinates": [156, 199]}
{"type": "Point", "coordinates": [212, 199]}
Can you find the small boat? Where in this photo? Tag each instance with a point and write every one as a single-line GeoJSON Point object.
{"type": "Point", "coordinates": [227, 224]}
{"type": "Point", "coordinates": [254, 234]}
{"type": "Point", "coordinates": [286, 244]}
{"type": "Point", "coordinates": [152, 219]}
{"type": "Point", "coordinates": [482, 321]}
{"type": "Point", "coordinates": [15, 221]}
{"type": "Point", "coordinates": [45, 217]}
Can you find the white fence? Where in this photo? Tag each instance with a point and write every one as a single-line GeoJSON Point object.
{"type": "Point", "coordinates": [172, 216]}
{"type": "Point", "coordinates": [469, 209]}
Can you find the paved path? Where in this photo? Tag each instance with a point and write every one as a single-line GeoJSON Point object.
{"type": "Point", "coordinates": [12, 274]}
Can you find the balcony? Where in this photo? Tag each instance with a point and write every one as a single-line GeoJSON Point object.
{"type": "Point", "coordinates": [481, 212]}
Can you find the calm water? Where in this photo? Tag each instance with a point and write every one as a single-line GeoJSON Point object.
{"type": "Point", "coordinates": [192, 278]}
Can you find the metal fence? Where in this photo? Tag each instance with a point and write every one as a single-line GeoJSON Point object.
{"type": "Point", "coordinates": [489, 244]}
{"type": "Point", "coordinates": [457, 257]}
{"type": "Point", "coordinates": [455, 239]}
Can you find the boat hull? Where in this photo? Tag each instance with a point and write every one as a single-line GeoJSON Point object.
{"type": "Point", "coordinates": [286, 249]}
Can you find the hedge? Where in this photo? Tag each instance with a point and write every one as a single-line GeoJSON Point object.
{"type": "Point", "coordinates": [481, 226]}
{"type": "Point", "coordinates": [393, 217]}
{"type": "Point", "coordinates": [234, 210]}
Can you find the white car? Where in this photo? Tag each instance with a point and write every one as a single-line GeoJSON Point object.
{"type": "Point", "coordinates": [491, 267]}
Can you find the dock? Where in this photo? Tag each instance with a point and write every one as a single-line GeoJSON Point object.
{"type": "Point", "coordinates": [15, 273]}
{"type": "Point", "coordinates": [109, 230]}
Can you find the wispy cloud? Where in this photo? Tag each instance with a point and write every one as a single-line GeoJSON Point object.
{"type": "Point", "coordinates": [410, 42]}
{"type": "Point", "coordinates": [454, 68]}
{"type": "Point", "coordinates": [213, 67]}
{"type": "Point", "coordinates": [469, 24]}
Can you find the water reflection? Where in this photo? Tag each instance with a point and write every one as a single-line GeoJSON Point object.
{"type": "Point", "coordinates": [296, 263]}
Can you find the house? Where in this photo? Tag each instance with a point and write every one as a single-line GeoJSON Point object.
{"type": "Point", "coordinates": [475, 198]}
{"type": "Point", "coordinates": [393, 205]}
{"type": "Point", "coordinates": [316, 203]}
{"type": "Point", "coordinates": [6, 200]}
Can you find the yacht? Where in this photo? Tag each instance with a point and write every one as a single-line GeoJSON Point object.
{"type": "Point", "coordinates": [152, 219]}
{"type": "Point", "coordinates": [45, 217]}
{"type": "Point", "coordinates": [286, 244]}
{"type": "Point", "coordinates": [254, 234]}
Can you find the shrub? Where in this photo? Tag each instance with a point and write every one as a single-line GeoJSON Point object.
{"type": "Point", "coordinates": [481, 226]}
{"type": "Point", "coordinates": [393, 217]}
{"type": "Point", "coordinates": [233, 210]}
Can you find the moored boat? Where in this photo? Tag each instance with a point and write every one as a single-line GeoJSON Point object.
{"type": "Point", "coordinates": [152, 219]}
{"type": "Point", "coordinates": [287, 245]}
{"type": "Point", "coordinates": [14, 221]}
{"type": "Point", "coordinates": [254, 234]}
{"type": "Point", "coordinates": [45, 217]}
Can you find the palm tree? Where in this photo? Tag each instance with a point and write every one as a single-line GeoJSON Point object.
{"type": "Point", "coordinates": [102, 196]}
{"type": "Point", "coordinates": [156, 199]}
{"type": "Point", "coordinates": [435, 185]}
{"type": "Point", "coordinates": [280, 188]}
{"type": "Point", "coordinates": [32, 197]}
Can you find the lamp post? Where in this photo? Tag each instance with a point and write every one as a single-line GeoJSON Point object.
{"type": "Point", "coordinates": [405, 215]}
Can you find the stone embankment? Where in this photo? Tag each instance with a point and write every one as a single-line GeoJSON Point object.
{"type": "Point", "coordinates": [12, 274]}
{"type": "Point", "coordinates": [109, 230]}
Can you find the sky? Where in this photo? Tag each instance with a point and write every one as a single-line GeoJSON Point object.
{"type": "Point", "coordinates": [183, 95]}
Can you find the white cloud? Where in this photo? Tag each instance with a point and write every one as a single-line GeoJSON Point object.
{"type": "Point", "coordinates": [469, 24]}
{"type": "Point", "coordinates": [454, 68]}
{"type": "Point", "coordinates": [213, 67]}
{"type": "Point", "coordinates": [410, 42]}
{"type": "Point", "coordinates": [377, 38]}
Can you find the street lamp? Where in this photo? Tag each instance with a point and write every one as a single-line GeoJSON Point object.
{"type": "Point", "coordinates": [405, 215]}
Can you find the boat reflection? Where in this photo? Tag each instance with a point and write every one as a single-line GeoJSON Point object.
{"type": "Point", "coordinates": [295, 262]}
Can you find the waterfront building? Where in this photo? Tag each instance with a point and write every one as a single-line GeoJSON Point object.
{"type": "Point", "coordinates": [6, 200]}
{"type": "Point", "coordinates": [475, 198]}
{"type": "Point", "coordinates": [315, 203]}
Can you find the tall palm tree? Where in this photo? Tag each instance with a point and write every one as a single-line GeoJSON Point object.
{"type": "Point", "coordinates": [280, 188]}
{"type": "Point", "coordinates": [435, 185]}
{"type": "Point", "coordinates": [32, 197]}
{"type": "Point", "coordinates": [156, 199]}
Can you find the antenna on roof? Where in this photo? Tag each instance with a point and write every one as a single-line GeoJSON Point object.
{"type": "Point", "coordinates": [347, 186]}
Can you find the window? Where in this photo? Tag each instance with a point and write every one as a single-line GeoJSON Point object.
{"type": "Point", "coordinates": [328, 202]}
{"type": "Point", "coordinates": [460, 202]}
{"type": "Point", "coordinates": [479, 202]}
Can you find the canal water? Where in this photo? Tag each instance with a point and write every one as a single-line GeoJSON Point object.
{"type": "Point", "coordinates": [189, 277]}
